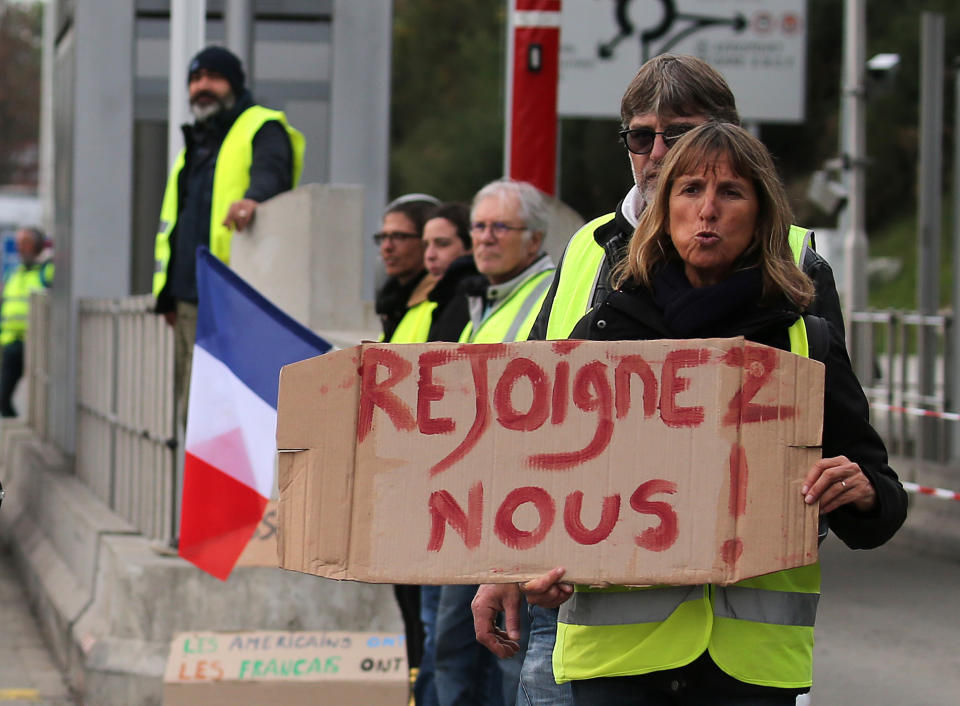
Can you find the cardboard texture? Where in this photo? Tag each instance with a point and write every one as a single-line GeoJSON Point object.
{"type": "Point", "coordinates": [675, 462]}
{"type": "Point", "coordinates": [261, 550]}
{"type": "Point", "coordinates": [289, 668]}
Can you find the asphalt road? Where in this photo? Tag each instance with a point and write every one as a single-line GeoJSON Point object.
{"type": "Point", "coordinates": [888, 628]}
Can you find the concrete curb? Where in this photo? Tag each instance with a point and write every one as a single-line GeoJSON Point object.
{"type": "Point", "coordinates": [109, 605]}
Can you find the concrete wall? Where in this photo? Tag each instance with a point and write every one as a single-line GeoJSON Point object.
{"type": "Point", "coordinates": [109, 604]}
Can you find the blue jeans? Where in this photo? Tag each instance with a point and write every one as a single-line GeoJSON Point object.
{"type": "Point", "coordinates": [537, 686]}
{"type": "Point", "coordinates": [425, 690]}
{"type": "Point", "coordinates": [466, 672]}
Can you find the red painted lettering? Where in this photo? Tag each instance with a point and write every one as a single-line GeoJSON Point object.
{"type": "Point", "coordinates": [444, 510]}
{"type": "Point", "coordinates": [377, 394]}
{"type": "Point", "coordinates": [508, 416]}
{"type": "Point", "coordinates": [738, 480]}
{"type": "Point", "coordinates": [565, 346]}
{"type": "Point", "coordinates": [509, 533]}
{"type": "Point", "coordinates": [673, 384]}
{"type": "Point", "coordinates": [731, 551]}
{"type": "Point", "coordinates": [635, 365]}
{"type": "Point", "coordinates": [561, 390]}
{"type": "Point", "coordinates": [661, 537]}
{"type": "Point", "coordinates": [478, 354]}
{"type": "Point", "coordinates": [574, 525]}
{"type": "Point", "coordinates": [758, 364]}
{"type": "Point", "coordinates": [591, 392]}
{"type": "Point", "coordinates": [428, 391]}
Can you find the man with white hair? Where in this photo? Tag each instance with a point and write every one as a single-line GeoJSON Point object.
{"type": "Point", "coordinates": [508, 224]}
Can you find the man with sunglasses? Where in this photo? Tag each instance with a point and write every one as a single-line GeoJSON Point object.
{"type": "Point", "coordinates": [669, 95]}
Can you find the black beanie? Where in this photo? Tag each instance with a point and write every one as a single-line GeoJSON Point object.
{"type": "Point", "coordinates": [224, 62]}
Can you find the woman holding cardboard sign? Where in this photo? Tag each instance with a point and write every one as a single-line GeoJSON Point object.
{"type": "Point", "coordinates": [711, 258]}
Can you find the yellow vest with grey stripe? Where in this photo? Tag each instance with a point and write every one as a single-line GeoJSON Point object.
{"type": "Point", "coordinates": [16, 299]}
{"type": "Point", "coordinates": [581, 267]}
{"type": "Point", "coordinates": [512, 318]}
{"type": "Point", "coordinates": [759, 631]}
{"type": "Point", "coordinates": [231, 179]}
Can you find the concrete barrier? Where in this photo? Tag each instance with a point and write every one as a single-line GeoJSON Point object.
{"type": "Point", "coordinates": [109, 604]}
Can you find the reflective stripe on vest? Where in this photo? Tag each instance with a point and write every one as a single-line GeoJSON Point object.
{"type": "Point", "coordinates": [759, 630]}
{"type": "Point", "coordinates": [15, 311]}
{"type": "Point", "coordinates": [414, 327]}
{"type": "Point", "coordinates": [577, 281]}
{"type": "Point", "coordinates": [582, 265]}
{"type": "Point", "coordinates": [513, 318]}
{"type": "Point", "coordinates": [231, 178]}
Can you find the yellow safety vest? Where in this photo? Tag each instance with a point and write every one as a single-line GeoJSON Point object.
{"type": "Point", "coordinates": [414, 327]}
{"type": "Point", "coordinates": [15, 311]}
{"type": "Point", "coordinates": [231, 179]}
{"type": "Point", "coordinates": [513, 317]}
{"type": "Point", "coordinates": [581, 267]}
{"type": "Point", "coordinates": [759, 631]}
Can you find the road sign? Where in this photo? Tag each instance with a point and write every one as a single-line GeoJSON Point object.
{"type": "Point", "coordinates": [758, 45]}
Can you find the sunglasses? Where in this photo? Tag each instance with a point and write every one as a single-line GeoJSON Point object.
{"type": "Point", "coordinates": [640, 140]}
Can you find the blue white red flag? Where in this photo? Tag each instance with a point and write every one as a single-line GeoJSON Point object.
{"type": "Point", "coordinates": [242, 342]}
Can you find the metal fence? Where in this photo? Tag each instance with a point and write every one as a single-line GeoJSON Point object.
{"type": "Point", "coordinates": [125, 443]}
{"type": "Point", "coordinates": [36, 368]}
{"type": "Point", "coordinates": [908, 383]}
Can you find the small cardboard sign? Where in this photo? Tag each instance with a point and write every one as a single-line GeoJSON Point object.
{"type": "Point", "coordinates": [290, 668]}
{"type": "Point", "coordinates": [640, 462]}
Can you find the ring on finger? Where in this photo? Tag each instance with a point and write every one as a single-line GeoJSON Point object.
{"type": "Point", "coordinates": [843, 483]}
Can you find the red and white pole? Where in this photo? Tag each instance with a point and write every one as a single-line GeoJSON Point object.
{"type": "Point", "coordinates": [533, 70]}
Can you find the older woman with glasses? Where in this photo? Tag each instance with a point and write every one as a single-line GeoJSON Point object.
{"type": "Point", "coordinates": [710, 258]}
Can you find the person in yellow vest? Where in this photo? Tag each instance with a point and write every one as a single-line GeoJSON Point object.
{"type": "Point", "coordinates": [237, 154]}
{"type": "Point", "coordinates": [400, 242]}
{"type": "Point", "coordinates": [508, 225]}
{"type": "Point", "coordinates": [711, 258]}
{"type": "Point", "coordinates": [669, 95]}
{"type": "Point", "coordinates": [34, 273]}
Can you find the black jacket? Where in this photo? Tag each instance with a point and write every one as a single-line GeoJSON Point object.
{"type": "Point", "coordinates": [633, 314]}
{"type": "Point", "coordinates": [393, 301]}
{"type": "Point", "coordinates": [614, 237]}
{"type": "Point", "coordinates": [452, 313]}
{"type": "Point", "coordinates": [271, 172]}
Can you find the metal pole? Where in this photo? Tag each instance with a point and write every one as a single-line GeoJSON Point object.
{"type": "Point", "coordinates": [930, 208]}
{"type": "Point", "coordinates": [854, 149]}
{"type": "Point", "coordinates": [187, 18]}
{"type": "Point", "coordinates": [953, 371]}
{"type": "Point", "coordinates": [239, 30]}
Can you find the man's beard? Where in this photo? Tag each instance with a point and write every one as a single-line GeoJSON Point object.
{"type": "Point", "coordinates": [206, 110]}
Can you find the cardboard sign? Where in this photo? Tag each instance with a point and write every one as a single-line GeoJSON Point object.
{"type": "Point", "coordinates": [290, 668]}
{"type": "Point", "coordinates": [674, 462]}
{"type": "Point", "coordinates": [261, 550]}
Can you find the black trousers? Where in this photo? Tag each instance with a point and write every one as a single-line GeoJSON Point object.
{"type": "Point", "coordinates": [408, 598]}
{"type": "Point", "coordinates": [11, 370]}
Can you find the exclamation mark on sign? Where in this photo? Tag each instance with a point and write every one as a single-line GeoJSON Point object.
{"type": "Point", "coordinates": [737, 503]}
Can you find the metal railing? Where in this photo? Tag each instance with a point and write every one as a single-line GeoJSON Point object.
{"type": "Point", "coordinates": [909, 380]}
{"type": "Point", "coordinates": [36, 368]}
{"type": "Point", "coordinates": [125, 442]}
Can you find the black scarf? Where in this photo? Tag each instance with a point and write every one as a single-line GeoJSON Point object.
{"type": "Point", "coordinates": [702, 312]}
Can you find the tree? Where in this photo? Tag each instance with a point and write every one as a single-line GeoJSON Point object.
{"type": "Point", "coordinates": [20, 57]}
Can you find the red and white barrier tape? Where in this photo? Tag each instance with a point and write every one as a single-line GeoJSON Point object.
{"type": "Point", "coordinates": [917, 411]}
{"type": "Point", "coordinates": [924, 490]}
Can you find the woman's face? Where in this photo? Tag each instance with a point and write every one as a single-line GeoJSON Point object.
{"type": "Point", "coordinates": [713, 218]}
{"type": "Point", "coordinates": [442, 245]}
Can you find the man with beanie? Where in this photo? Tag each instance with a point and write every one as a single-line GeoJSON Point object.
{"type": "Point", "coordinates": [236, 155]}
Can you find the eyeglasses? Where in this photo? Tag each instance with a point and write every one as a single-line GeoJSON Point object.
{"type": "Point", "coordinates": [640, 140]}
{"type": "Point", "coordinates": [498, 228]}
{"type": "Point", "coordinates": [393, 236]}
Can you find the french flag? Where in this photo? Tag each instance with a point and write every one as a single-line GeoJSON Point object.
{"type": "Point", "coordinates": [242, 342]}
